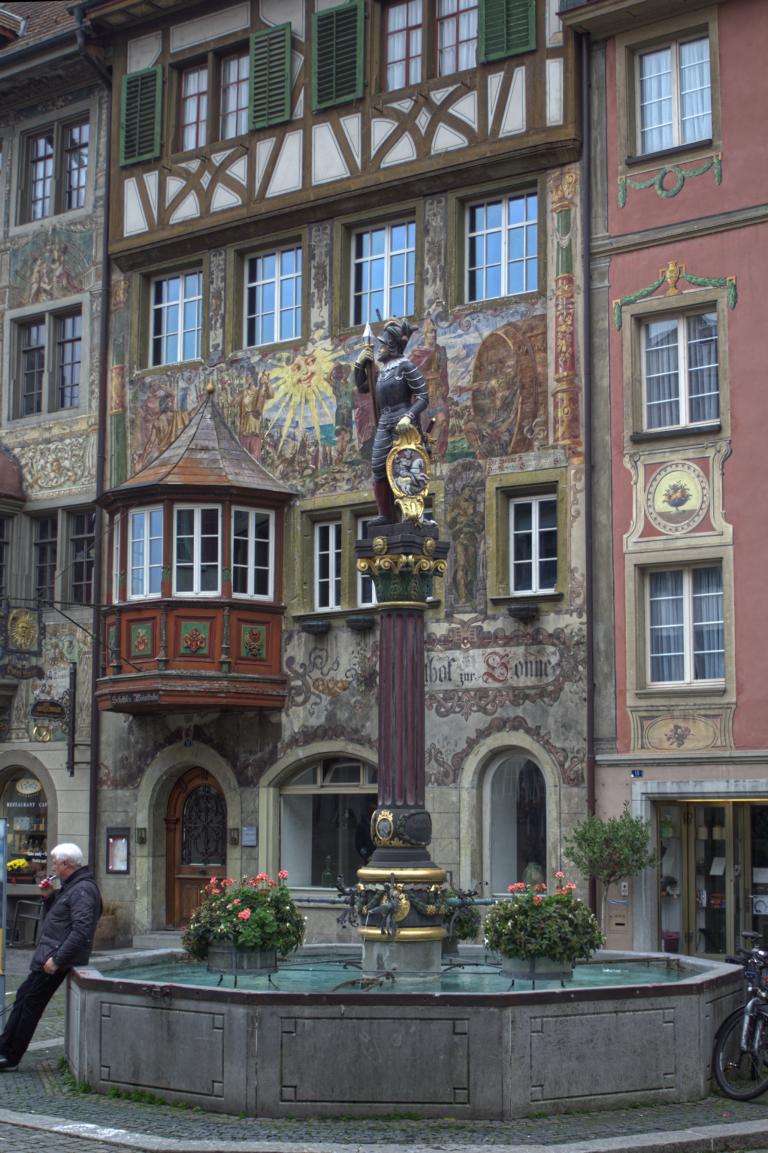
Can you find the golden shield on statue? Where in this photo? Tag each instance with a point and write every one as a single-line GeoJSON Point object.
{"type": "Point", "coordinates": [408, 471]}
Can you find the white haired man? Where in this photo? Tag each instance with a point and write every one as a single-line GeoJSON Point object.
{"type": "Point", "coordinates": [66, 937]}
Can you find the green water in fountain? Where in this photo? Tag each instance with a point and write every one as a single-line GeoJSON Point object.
{"type": "Point", "coordinates": [325, 973]}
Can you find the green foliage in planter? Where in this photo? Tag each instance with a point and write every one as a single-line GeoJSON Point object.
{"type": "Point", "coordinates": [255, 913]}
{"type": "Point", "coordinates": [534, 922]}
{"type": "Point", "coordinates": [463, 921]}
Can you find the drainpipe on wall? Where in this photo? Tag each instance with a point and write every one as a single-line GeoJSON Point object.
{"type": "Point", "coordinates": [586, 237]}
{"type": "Point", "coordinates": [101, 447]}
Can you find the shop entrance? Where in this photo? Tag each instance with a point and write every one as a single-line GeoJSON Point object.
{"type": "Point", "coordinates": [713, 874]}
{"type": "Point", "coordinates": [195, 842]}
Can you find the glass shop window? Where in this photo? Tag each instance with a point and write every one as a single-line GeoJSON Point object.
{"type": "Point", "coordinates": [515, 823]}
{"type": "Point", "coordinates": [325, 816]}
{"type": "Point", "coordinates": [24, 805]}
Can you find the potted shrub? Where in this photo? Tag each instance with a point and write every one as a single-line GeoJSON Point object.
{"type": "Point", "coordinates": [611, 849]}
{"type": "Point", "coordinates": [542, 933]}
{"type": "Point", "coordinates": [244, 924]}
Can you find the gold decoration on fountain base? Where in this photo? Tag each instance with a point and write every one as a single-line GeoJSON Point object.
{"type": "Point", "coordinates": [431, 933]}
{"type": "Point", "coordinates": [429, 875]}
{"type": "Point", "coordinates": [396, 563]}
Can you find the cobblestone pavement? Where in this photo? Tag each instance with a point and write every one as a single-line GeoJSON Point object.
{"type": "Point", "coordinates": [42, 1111]}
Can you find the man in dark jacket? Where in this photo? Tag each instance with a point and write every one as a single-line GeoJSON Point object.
{"type": "Point", "coordinates": [65, 940]}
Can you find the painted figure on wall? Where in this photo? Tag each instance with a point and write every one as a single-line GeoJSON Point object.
{"type": "Point", "coordinates": [399, 394]}
{"type": "Point", "coordinates": [506, 397]}
{"type": "Point", "coordinates": [432, 361]}
{"type": "Point", "coordinates": [251, 403]}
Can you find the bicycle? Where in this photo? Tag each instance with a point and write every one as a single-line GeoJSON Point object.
{"type": "Point", "coordinates": [740, 1057]}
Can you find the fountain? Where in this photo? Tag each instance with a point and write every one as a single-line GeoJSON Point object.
{"type": "Point", "coordinates": [382, 1026]}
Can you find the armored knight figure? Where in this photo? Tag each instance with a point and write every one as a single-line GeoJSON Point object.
{"type": "Point", "coordinates": [399, 395]}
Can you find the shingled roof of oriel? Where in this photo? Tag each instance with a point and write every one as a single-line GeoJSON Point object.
{"type": "Point", "coordinates": [40, 20]}
{"type": "Point", "coordinates": [205, 454]}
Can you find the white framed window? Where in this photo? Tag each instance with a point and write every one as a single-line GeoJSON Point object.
{"type": "Point", "coordinates": [384, 272]}
{"type": "Point", "coordinates": [680, 370]}
{"type": "Point", "coordinates": [366, 590]}
{"type": "Point", "coordinates": [116, 529]}
{"type": "Point", "coordinates": [327, 566]}
{"type": "Point", "coordinates": [533, 544]}
{"type": "Point", "coordinates": [325, 817]}
{"type": "Point", "coordinates": [197, 550]}
{"type": "Point", "coordinates": [273, 291]}
{"type": "Point", "coordinates": [674, 95]}
{"type": "Point", "coordinates": [176, 318]}
{"type": "Point", "coordinates": [46, 539]}
{"type": "Point", "coordinates": [145, 552]}
{"type": "Point", "coordinates": [502, 246]}
{"type": "Point", "coordinates": [684, 611]}
{"type": "Point", "coordinates": [253, 548]}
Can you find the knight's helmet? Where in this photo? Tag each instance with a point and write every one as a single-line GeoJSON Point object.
{"type": "Point", "coordinates": [396, 334]}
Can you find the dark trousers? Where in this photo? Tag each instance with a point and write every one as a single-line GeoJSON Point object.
{"type": "Point", "coordinates": [32, 997]}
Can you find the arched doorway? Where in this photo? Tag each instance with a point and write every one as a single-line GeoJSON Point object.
{"type": "Point", "coordinates": [515, 822]}
{"type": "Point", "coordinates": [195, 842]}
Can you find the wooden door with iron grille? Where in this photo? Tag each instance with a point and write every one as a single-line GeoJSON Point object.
{"type": "Point", "coordinates": [195, 841]}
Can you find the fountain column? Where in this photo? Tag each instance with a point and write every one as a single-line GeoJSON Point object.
{"type": "Point", "coordinates": [400, 891]}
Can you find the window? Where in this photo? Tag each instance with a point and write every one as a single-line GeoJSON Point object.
{"type": "Point", "coordinates": [681, 379]}
{"type": "Point", "coordinates": [674, 95]}
{"type": "Point", "coordinates": [384, 272]}
{"type": "Point", "coordinates": [685, 625]}
{"type": "Point", "coordinates": [233, 100]}
{"type": "Point", "coordinates": [56, 171]}
{"type": "Point", "coordinates": [337, 55]}
{"type": "Point", "coordinates": [507, 27]}
{"type": "Point", "coordinates": [403, 44]}
{"type": "Point", "coordinates": [366, 590]}
{"type": "Point", "coordinates": [177, 318]}
{"type": "Point", "coordinates": [273, 291]}
{"type": "Point", "coordinates": [5, 537]}
{"type": "Point", "coordinates": [252, 553]}
{"type": "Point", "coordinates": [116, 529]}
{"type": "Point", "coordinates": [145, 553]}
{"type": "Point", "coordinates": [327, 565]}
{"type": "Point", "coordinates": [197, 551]}
{"type": "Point", "coordinates": [194, 107]}
{"type": "Point", "coordinates": [325, 817]}
{"type": "Point", "coordinates": [502, 247]}
{"type": "Point", "coordinates": [24, 804]}
{"type": "Point", "coordinates": [45, 540]}
{"type": "Point", "coordinates": [456, 35]}
{"type": "Point", "coordinates": [82, 527]}
{"type": "Point", "coordinates": [222, 97]}
{"type": "Point", "coordinates": [533, 544]}
{"type": "Point", "coordinates": [49, 364]}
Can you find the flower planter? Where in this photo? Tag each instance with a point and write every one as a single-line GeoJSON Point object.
{"type": "Point", "coordinates": [224, 957]}
{"type": "Point", "coordinates": [21, 878]}
{"type": "Point", "coordinates": [536, 968]}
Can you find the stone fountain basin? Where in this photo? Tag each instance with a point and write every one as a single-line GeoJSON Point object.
{"type": "Point", "coordinates": [459, 1055]}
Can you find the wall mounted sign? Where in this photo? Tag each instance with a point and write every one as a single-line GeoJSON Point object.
{"type": "Point", "coordinates": [28, 786]}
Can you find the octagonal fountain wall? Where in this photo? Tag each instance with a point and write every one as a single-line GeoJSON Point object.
{"type": "Point", "coordinates": [357, 1051]}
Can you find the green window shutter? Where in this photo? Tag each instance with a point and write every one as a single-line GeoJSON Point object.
{"type": "Point", "coordinates": [337, 55]}
{"type": "Point", "coordinates": [507, 28]}
{"type": "Point", "coordinates": [270, 77]}
{"type": "Point", "coordinates": [140, 110]}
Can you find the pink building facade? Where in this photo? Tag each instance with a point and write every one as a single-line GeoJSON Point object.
{"type": "Point", "coordinates": [679, 231]}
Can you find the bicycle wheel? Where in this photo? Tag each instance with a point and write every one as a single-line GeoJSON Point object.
{"type": "Point", "coordinates": [741, 1076]}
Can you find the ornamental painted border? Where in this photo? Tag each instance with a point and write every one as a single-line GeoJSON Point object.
{"type": "Point", "coordinates": [671, 274]}
{"type": "Point", "coordinates": [713, 163]}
